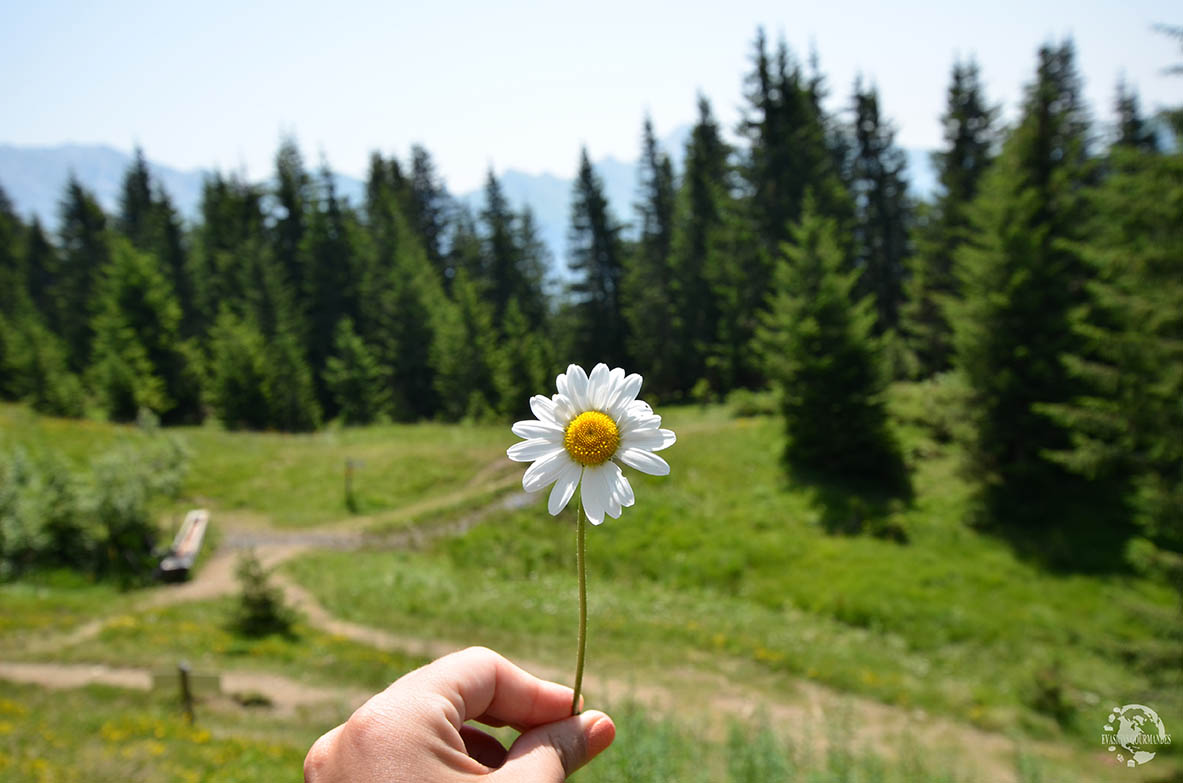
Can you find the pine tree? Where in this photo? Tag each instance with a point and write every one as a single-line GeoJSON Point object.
{"type": "Point", "coordinates": [1127, 425]}
{"type": "Point", "coordinates": [463, 354]}
{"type": "Point", "coordinates": [354, 378]}
{"type": "Point", "coordinates": [238, 376]}
{"type": "Point", "coordinates": [401, 294]}
{"type": "Point", "coordinates": [293, 198]}
{"type": "Point", "coordinates": [882, 208]}
{"type": "Point", "coordinates": [84, 254]}
{"type": "Point", "coordinates": [430, 206]}
{"type": "Point", "coordinates": [139, 358]}
{"type": "Point", "coordinates": [1132, 129]}
{"type": "Point", "coordinates": [523, 364]}
{"type": "Point", "coordinates": [291, 394]}
{"type": "Point", "coordinates": [647, 286]}
{"type": "Point", "coordinates": [1021, 280]}
{"type": "Point", "coordinates": [701, 286]}
{"type": "Point", "coordinates": [969, 134]}
{"type": "Point", "coordinates": [501, 277]}
{"type": "Point", "coordinates": [596, 258]}
{"type": "Point", "coordinates": [819, 345]}
{"type": "Point", "coordinates": [533, 263]}
{"type": "Point", "coordinates": [330, 293]}
{"type": "Point", "coordinates": [229, 239]}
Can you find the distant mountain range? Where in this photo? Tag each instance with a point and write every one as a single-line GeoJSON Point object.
{"type": "Point", "coordinates": [34, 178]}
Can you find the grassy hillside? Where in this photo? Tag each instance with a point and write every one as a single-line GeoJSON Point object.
{"type": "Point", "coordinates": [726, 598]}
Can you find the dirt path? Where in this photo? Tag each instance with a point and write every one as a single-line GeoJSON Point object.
{"type": "Point", "coordinates": [284, 694]}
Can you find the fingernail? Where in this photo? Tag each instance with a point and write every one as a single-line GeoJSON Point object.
{"type": "Point", "coordinates": [599, 730]}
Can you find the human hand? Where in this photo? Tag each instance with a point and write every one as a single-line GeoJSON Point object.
{"type": "Point", "coordinates": [415, 730]}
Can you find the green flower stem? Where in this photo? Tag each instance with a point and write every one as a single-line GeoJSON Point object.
{"type": "Point", "coordinates": [581, 566]}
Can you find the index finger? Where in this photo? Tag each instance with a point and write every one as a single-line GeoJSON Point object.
{"type": "Point", "coordinates": [481, 684]}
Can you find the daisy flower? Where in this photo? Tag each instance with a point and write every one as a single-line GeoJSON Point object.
{"type": "Point", "coordinates": [583, 434]}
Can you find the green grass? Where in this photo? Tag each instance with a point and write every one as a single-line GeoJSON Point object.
{"type": "Point", "coordinates": [104, 735]}
{"type": "Point", "coordinates": [200, 634]}
{"type": "Point", "coordinates": [728, 559]}
{"type": "Point", "coordinates": [53, 602]}
{"type": "Point", "coordinates": [290, 480]}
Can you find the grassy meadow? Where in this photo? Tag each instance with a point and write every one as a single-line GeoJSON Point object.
{"type": "Point", "coordinates": [744, 625]}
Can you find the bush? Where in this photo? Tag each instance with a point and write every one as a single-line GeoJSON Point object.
{"type": "Point", "coordinates": [97, 522]}
{"type": "Point", "coordinates": [260, 610]}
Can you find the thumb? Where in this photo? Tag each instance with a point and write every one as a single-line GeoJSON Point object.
{"type": "Point", "coordinates": [549, 753]}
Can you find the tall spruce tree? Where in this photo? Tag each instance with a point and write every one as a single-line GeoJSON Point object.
{"type": "Point", "coordinates": [882, 208]}
{"type": "Point", "coordinates": [464, 353]}
{"type": "Point", "coordinates": [430, 205]}
{"type": "Point", "coordinates": [84, 254]}
{"type": "Point", "coordinates": [354, 378]}
{"type": "Point", "coordinates": [596, 255]}
{"type": "Point", "coordinates": [293, 199]}
{"type": "Point", "coordinates": [501, 277]}
{"type": "Point", "coordinates": [648, 304]}
{"type": "Point", "coordinates": [1127, 424]}
{"type": "Point", "coordinates": [703, 284]}
{"type": "Point", "coordinates": [819, 344]}
{"type": "Point", "coordinates": [1132, 131]}
{"type": "Point", "coordinates": [970, 140]}
{"type": "Point", "coordinates": [1021, 280]}
{"type": "Point", "coordinates": [401, 295]}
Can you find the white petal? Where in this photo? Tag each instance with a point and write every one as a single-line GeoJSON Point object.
{"type": "Point", "coordinates": [626, 391]}
{"type": "Point", "coordinates": [623, 491]}
{"type": "Point", "coordinates": [562, 385]}
{"type": "Point", "coordinates": [595, 491]}
{"type": "Point", "coordinates": [544, 409]}
{"type": "Point", "coordinates": [597, 387]}
{"type": "Point", "coordinates": [577, 387]}
{"type": "Point", "coordinates": [649, 439]}
{"type": "Point", "coordinates": [636, 420]}
{"type": "Point", "coordinates": [644, 461]}
{"type": "Point", "coordinates": [537, 429]}
{"type": "Point", "coordinates": [530, 450]}
{"type": "Point", "coordinates": [564, 410]}
{"type": "Point", "coordinates": [564, 488]}
{"type": "Point", "coordinates": [545, 470]}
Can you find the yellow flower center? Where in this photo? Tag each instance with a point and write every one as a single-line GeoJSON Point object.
{"type": "Point", "coordinates": [591, 438]}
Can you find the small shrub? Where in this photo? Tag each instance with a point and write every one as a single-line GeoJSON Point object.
{"type": "Point", "coordinates": [261, 610]}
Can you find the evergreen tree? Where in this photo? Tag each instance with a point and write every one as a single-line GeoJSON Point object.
{"type": "Point", "coordinates": [1132, 129]}
{"type": "Point", "coordinates": [648, 304]}
{"type": "Point", "coordinates": [401, 293]}
{"type": "Point", "coordinates": [229, 239]}
{"type": "Point", "coordinates": [701, 286]}
{"type": "Point", "coordinates": [84, 254]}
{"type": "Point", "coordinates": [238, 377]}
{"type": "Point", "coordinates": [881, 207]}
{"type": "Point", "coordinates": [465, 251]}
{"type": "Point", "coordinates": [328, 257]}
{"type": "Point", "coordinates": [819, 345]}
{"type": "Point", "coordinates": [291, 394]}
{"type": "Point", "coordinates": [969, 135]}
{"type": "Point", "coordinates": [596, 258]}
{"type": "Point", "coordinates": [354, 378]}
{"type": "Point", "coordinates": [1021, 280]}
{"type": "Point", "coordinates": [139, 358]}
{"type": "Point", "coordinates": [501, 277]}
{"type": "Point", "coordinates": [41, 265]}
{"type": "Point", "coordinates": [533, 263]}
{"type": "Point", "coordinates": [149, 220]}
{"type": "Point", "coordinates": [523, 364]}
{"type": "Point", "coordinates": [293, 198]}
{"type": "Point", "coordinates": [430, 206]}
{"type": "Point", "coordinates": [463, 354]}
{"type": "Point", "coordinates": [788, 153]}
{"type": "Point", "coordinates": [1127, 425]}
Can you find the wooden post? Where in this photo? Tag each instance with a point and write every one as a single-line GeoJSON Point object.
{"type": "Point", "coordinates": [186, 691]}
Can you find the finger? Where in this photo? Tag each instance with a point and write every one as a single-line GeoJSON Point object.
{"type": "Point", "coordinates": [548, 754]}
{"type": "Point", "coordinates": [483, 747]}
{"type": "Point", "coordinates": [482, 685]}
{"type": "Point", "coordinates": [320, 755]}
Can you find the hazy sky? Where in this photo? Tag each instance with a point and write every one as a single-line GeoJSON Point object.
{"type": "Point", "coordinates": [509, 84]}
